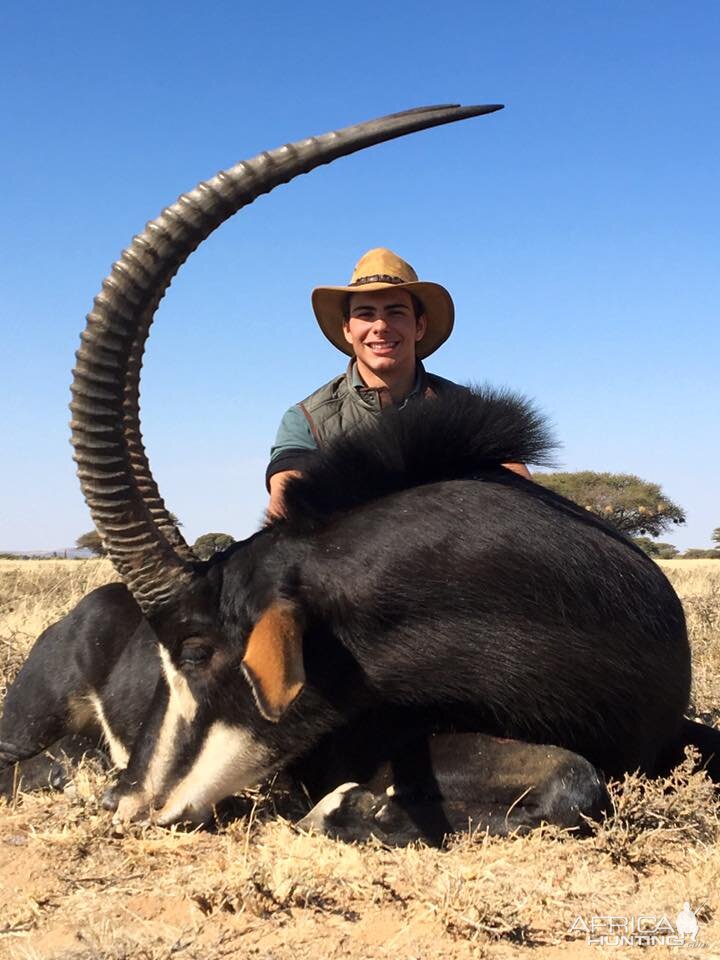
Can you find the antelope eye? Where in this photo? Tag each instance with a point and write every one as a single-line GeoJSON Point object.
{"type": "Point", "coordinates": [194, 654]}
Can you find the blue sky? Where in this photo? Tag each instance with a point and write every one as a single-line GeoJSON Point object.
{"type": "Point", "coordinates": [578, 230]}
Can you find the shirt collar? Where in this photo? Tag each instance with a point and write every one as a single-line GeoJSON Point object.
{"type": "Point", "coordinates": [358, 384]}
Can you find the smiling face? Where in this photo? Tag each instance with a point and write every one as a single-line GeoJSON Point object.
{"type": "Point", "coordinates": [383, 330]}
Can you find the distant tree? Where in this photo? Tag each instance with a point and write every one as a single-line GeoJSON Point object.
{"type": "Point", "coordinates": [91, 541]}
{"type": "Point", "coordinates": [647, 545]}
{"type": "Point", "coordinates": [657, 549]}
{"type": "Point", "coordinates": [667, 551]}
{"type": "Point", "coordinates": [716, 535]}
{"type": "Point", "coordinates": [695, 553]}
{"type": "Point", "coordinates": [632, 505]}
{"type": "Point", "coordinates": [210, 543]}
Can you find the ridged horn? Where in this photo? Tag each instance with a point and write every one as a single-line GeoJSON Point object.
{"type": "Point", "coordinates": [142, 541]}
{"type": "Point", "coordinates": [144, 480]}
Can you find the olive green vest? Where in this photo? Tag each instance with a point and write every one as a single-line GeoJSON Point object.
{"type": "Point", "coordinates": [345, 403]}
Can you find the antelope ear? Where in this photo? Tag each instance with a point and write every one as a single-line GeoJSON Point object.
{"type": "Point", "coordinates": [273, 662]}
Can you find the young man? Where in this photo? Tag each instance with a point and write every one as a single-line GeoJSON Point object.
{"type": "Point", "coordinates": [387, 321]}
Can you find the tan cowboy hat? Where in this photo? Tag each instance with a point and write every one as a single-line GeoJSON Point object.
{"type": "Point", "coordinates": [379, 269]}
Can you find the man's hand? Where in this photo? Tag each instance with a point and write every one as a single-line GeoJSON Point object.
{"type": "Point", "coordinates": [518, 468]}
{"type": "Point", "coordinates": [276, 507]}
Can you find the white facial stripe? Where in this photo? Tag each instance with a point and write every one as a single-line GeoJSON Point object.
{"type": "Point", "coordinates": [181, 696]}
{"type": "Point", "coordinates": [118, 752]}
{"type": "Point", "coordinates": [163, 753]}
{"type": "Point", "coordinates": [230, 760]}
{"type": "Point", "coordinates": [181, 708]}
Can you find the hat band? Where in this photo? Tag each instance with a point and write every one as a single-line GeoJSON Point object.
{"type": "Point", "coordinates": [377, 278]}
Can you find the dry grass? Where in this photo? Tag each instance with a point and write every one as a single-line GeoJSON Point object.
{"type": "Point", "coordinates": [697, 583]}
{"type": "Point", "coordinates": [71, 887]}
{"type": "Point", "coordinates": [36, 593]}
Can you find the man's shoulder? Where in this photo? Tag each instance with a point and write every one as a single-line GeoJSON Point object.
{"type": "Point", "coordinates": [327, 393]}
{"type": "Point", "coordinates": [443, 385]}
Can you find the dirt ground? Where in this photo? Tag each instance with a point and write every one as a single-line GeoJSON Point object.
{"type": "Point", "coordinates": [72, 886]}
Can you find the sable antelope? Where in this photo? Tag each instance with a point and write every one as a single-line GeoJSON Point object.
{"type": "Point", "coordinates": [417, 603]}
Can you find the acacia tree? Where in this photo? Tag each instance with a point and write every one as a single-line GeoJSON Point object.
{"type": "Point", "coordinates": [633, 506]}
{"type": "Point", "coordinates": [91, 541]}
{"type": "Point", "coordinates": [657, 549]}
{"type": "Point", "coordinates": [700, 553]}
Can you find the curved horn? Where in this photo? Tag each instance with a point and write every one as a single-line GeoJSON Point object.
{"type": "Point", "coordinates": [144, 480]}
{"type": "Point", "coordinates": [143, 543]}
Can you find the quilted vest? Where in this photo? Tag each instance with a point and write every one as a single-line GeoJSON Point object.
{"type": "Point", "coordinates": [340, 405]}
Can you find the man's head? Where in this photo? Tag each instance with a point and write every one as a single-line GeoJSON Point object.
{"type": "Point", "coordinates": [380, 271]}
{"type": "Point", "coordinates": [383, 327]}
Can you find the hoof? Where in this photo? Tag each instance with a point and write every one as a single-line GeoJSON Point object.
{"type": "Point", "coordinates": [353, 813]}
{"type": "Point", "coordinates": [348, 809]}
{"type": "Point", "coordinates": [110, 799]}
{"type": "Point", "coordinates": [59, 776]}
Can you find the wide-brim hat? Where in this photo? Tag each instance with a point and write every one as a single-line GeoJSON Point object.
{"type": "Point", "coordinates": [380, 269]}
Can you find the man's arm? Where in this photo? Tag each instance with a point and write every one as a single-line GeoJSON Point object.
{"type": "Point", "coordinates": [294, 443]}
{"type": "Point", "coordinates": [276, 507]}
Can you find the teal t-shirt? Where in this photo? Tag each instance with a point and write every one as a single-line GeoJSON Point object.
{"type": "Point", "coordinates": [294, 433]}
